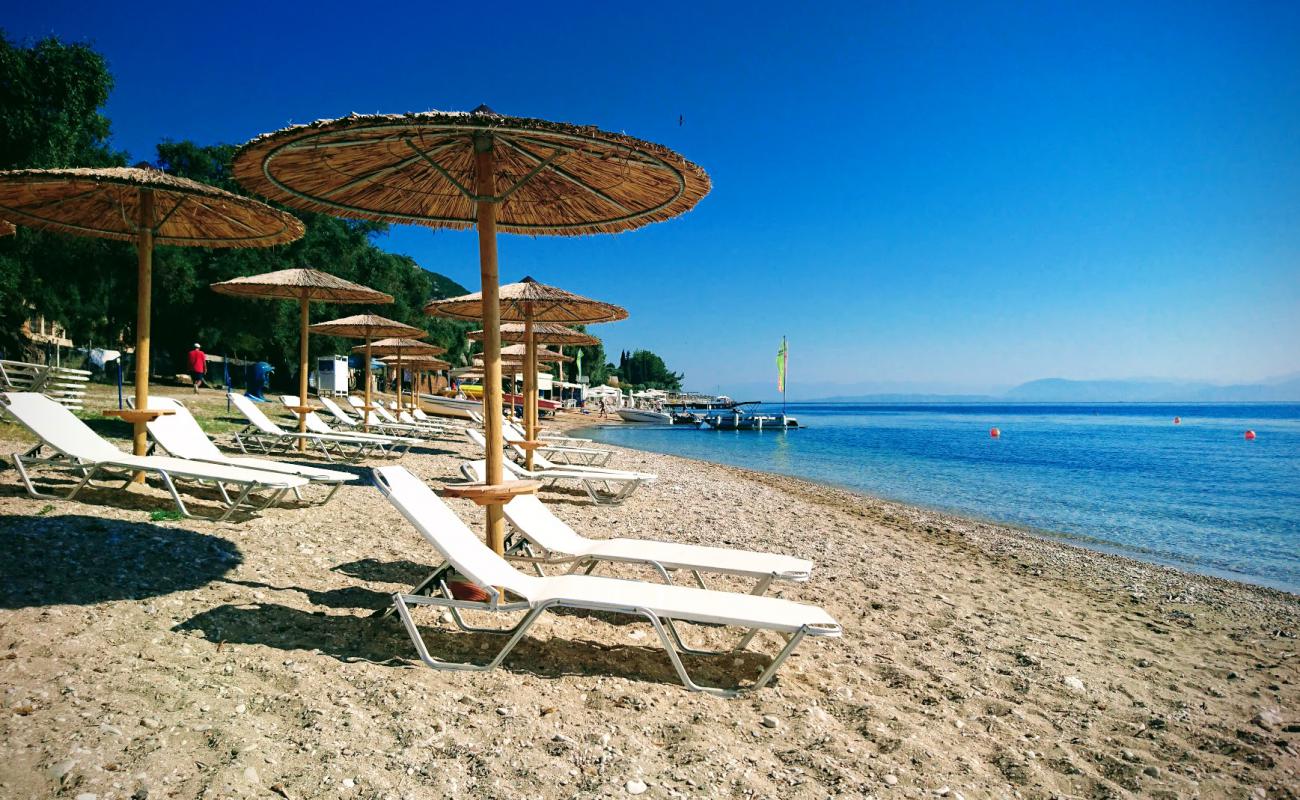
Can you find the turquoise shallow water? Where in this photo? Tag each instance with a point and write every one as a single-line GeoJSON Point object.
{"type": "Point", "coordinates": [1118, 477]}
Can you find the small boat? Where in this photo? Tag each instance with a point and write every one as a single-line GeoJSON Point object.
{"type": "Point", "coordinates": [459, 408]}
{"type": "Point", "coordinates": [750, 422]}
{"type": "Point", "coordinates": [687, 418]}
{"type": "Point", "coordinates": [644, 415]}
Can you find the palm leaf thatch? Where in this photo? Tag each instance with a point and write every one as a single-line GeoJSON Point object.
{"type": "Point", "coordinates": [550, 178]}
{"type": "Point", "coordinates": [402, 347]}
{"type": "Point", "coordinates": [417, 362]}
{"type": "Point", "coordinates": [366, 326]}
{"type": "Point", "coordinates": [301, 284]}
{"type": "Point", "coordinates": [521, 351]}
{"type": "Point", "coordinates": [518, 300]}
{"type": "Point", "coordinates": [543, 333]}
{"type": "Point", "coordinates": [105, 203]}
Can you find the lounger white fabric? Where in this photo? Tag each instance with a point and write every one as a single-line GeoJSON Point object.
{"type": "Point", "coordinates": [264, 435]}
{"type": "Point", "coordinates": [603, 485]}
{"type": "Point", "coordinates": [79, 450]}
{"type": "Point", "coordinates": [381, 416]}
{"type": "Point", "coordinates": [570, 441]}
{"type": "Point", "coordinates": [179, 434]}
{"type": "Point", "coordinates": [558, 452]}
{"type": "Point", "coordinates": [662, 605]}
{"type": "Point", "coordinates": [537, 527]}
{"type": "Point", "coordinates": [317, 425]}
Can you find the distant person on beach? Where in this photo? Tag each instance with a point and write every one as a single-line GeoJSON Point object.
{"type": "Point", "coordinates": [198, 365]}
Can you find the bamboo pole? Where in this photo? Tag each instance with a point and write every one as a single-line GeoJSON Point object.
{"type": "Point", "coordinates": [304, 311]}
{"type": "Point", "coordinates": [399, 380]}
{"type": "Point", "coordinates": [487, 248]}
{"type": "Point", "coordinates": [365, 412]}
{"type": "Point", "coordinates": [143, 317]}
{"type": "Point", "coordinates": [530, 382]}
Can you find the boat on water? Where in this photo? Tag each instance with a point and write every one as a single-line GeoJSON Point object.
{"type": "Point", "coordinates": [457, 407]}
{"type": "Point", "coordinates": [750, 422]}
{"type": "Point", "coordinates": [644, 415]}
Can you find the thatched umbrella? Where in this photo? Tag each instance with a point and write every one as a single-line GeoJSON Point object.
{"type": "Point", "coordinates": [420, 364]}
{"type": "Point", "coordinates": [530, 302]}
{"type": "Point", "coordinates": [148, 207]}
{"type": "Point", "coordinates": [368, 327]}
{"type": "Point", "coordinates": [543, 333]}
{"type": "Point", "coordinates": [477, 170]}
{"type": "Point", "coordinates": [303, 285]}
{"type": "Point", "coordinates": [403, 346]}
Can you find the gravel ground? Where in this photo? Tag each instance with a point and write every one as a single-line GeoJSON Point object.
{"type": "Point", "coordinates": [148, 657]}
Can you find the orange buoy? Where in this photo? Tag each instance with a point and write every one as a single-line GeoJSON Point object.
{"type": "Point", "coordinates": [1178, 420]}
{"type": "Point", "coordinates": [1250, 436]}
{"type": "Point", "coordinates": [994, 433]}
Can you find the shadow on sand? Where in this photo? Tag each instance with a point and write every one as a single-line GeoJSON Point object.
{"type": "Point", "coordinates": [82, 560]}
{"type": "Point", "coordinates": [351, 638]}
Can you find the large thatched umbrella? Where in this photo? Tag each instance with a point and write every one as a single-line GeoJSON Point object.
{"type": "Point", "coordinates": [148, 207]}
{"type": "Point", "coordinates": [400, 347]}
{"type": "Point", "coordinates": [303, 285]}
{"type": "Point", "coordinates": [368, 327]}
{"type": "Point", "coordinates": [530, 302]}
{"type": "Point", "coordinates": [477, 170]}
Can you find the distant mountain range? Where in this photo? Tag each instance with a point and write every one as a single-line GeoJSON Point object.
{"type": "Point", "coordinates": [1062, 390]}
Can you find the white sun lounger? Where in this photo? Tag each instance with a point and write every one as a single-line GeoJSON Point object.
{"type": "Point", "coordinates": [179, 434]}
{"type": "Point", "coordinates": [568, 441]}
{"type": "Point", "coordinates": [381, 416]}
{"type": "Point", "coordinates": [559, 452]}
{"type": "Point", "coordinates": [317, 425]}
{"type": "Point", "coordinates": [662, 605]}
{"type": "Point", "coordinates": [79, 450]}
{"type": "Point", "coordinates": [353, 425]}
{"type": "Point", "coordinates": [603, 486]}
{"type": "Point", "coordinates": [267, 437]}
{"type": "Point", "coordinates": [538, 529]}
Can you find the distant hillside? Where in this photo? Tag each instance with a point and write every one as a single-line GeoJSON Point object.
{"type": "Point", "coordinates": [908, 398]}
{"type": "Point", "coordinates": [1061, 390]}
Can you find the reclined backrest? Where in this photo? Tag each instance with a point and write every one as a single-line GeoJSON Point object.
{"type": "Point", "coordinates": [57, 426]}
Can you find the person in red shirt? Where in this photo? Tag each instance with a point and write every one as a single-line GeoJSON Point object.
{"type": "Point", "coordinates": [198, 365]}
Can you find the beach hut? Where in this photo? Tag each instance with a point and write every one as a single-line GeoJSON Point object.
{"type": "Point", "coordinates": [368, 327]}
{"type": "Point", "coordinates": [304, 286]}
{"type": "Point", "coordinates": [478, 170]}
{"type": "Point", "coordinates": [148, 207]}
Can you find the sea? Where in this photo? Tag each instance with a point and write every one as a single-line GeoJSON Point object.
{"type": "Point", "coordinates": [1118, 477]}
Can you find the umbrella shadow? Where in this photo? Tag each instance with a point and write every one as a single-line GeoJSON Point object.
{"type": "Point", "coordinates": [349, 639]}
{"type": "Point", "coordinates": [83, 560]}
{"type": "Point", "coordinates": [376, 571]}
{"type": "Point", "coordinates": [355, 597]}
{"type": "Point", "coordinates": [114, 496]}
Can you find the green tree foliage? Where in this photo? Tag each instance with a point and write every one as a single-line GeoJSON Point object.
{"type": "Point", "coordinates": [642, 369]}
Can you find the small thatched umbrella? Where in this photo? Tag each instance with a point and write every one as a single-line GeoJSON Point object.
{"type": "Point", "coordinates": [420, 364]}
{"type": "Point", "coordinates": [478, 170]}
{"type": "Point", "coordinates": [148, 207]}
{"type": "Point", "coordinates": [400, 347]}
{"type": "Point", "coordinates": [530, 302]}
{"type": "Point", "coordinates": [303, 285]}
{"type": "Point", "coordinates": [368, 327]}
{"type": "Point", "coordinates": [543, 333]}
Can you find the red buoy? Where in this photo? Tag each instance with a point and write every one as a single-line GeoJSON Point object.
{"type": "Point", "coordinates": [1250, 436]}
{"type": "Point", "coordinates": [995, 433]}
{"type": "Point", "coordinates": [1178, 420]}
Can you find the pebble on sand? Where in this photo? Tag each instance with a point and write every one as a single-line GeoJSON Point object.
{"type": "Point", "coordinates": [635, 786]}
{"type": "Point", "coordinates": [770, 721]}
{"type": "Point", "coordinates": [1073, 683]}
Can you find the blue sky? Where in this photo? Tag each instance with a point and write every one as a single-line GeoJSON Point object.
{"type": "Point", "coordinates": [922, 196]}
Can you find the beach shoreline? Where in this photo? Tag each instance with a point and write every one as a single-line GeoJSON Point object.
{"type": "Point", "coordinates": [240, 660]}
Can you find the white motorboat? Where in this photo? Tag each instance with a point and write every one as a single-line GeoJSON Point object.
{"type": "Point", "coordinates": [644, 415]}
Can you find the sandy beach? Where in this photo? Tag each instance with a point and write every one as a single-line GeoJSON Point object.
{"type": "Point", "coordinates": [160, 658]}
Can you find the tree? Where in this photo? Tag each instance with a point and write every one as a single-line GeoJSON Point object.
{"type": "Point", "coordinates": [642, 369]}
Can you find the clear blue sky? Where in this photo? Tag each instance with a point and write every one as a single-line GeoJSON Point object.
{"type": "Point", "coordinates": [921, 195]}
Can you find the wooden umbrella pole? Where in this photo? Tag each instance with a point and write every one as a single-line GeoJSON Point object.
{"type": "Point", "coordinates": [399, 380]}
{"type": "Point", "coordinates": [304, 311]}
{"type": "Point", "coordinates": [143, 317]}
{"type": "Point", "coordinates": [487, 253]}
{"type": "Point", "coordinates": [365, 412]}
{"type": "Point", "coordinates": [530, 382]}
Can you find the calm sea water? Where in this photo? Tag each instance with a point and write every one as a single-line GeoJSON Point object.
{"type": "Point", "coordinates": [1118, 477]}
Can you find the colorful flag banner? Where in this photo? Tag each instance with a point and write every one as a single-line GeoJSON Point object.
{"type": "Point", "coordinates": [781, 356]}
{"type": "Point", "coordinates": [579, 362]}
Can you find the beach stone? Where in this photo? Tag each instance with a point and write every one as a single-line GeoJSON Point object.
{"type": "Point", "coordinates": [635, 786]}
{"type": "Point", "coordinates": [87, 796]}
{"type": "Point", "coordinates": [1073, 683]}
{"type": "Point", "coordinates": [348, 783]}
{"type": "Point", "coordinates": [943, 791]}
{"type": "Point", "coordinates": [1151, 771]}
{"type": "Point", "coordinates": [770, 721]}
{"type": "Point", "coordinates": [1268, 719]}
{"type": "Point", "coordinates": [251, 776]}
{"type": "Point", "coordinates": [892, 780]}
{"type": "Point", "coordinates": [59, 769]}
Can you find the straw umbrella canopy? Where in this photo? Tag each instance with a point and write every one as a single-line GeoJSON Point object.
{"type": "Point", "coordinates": [420, 364]}
{"type": "Point", "coordinates": [529, 301]}
{"type": "Point", "coordinates": [303, 285]}
{"type": "Point", "coordinates": [368, 327]}
{"type": "Point", "coordinates": [474, 170]}
{"type": "Point", "coordinates": [146, 206]}
{"type": "Point", "coordinates": [400, 347]}
{"type": "Point", "coordinates": [543, 333]}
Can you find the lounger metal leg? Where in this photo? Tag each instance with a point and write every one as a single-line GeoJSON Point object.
{"type": "Point", "coordinates": [400, 603]}
{"type": "Point", "coordinates": [689, 683]}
